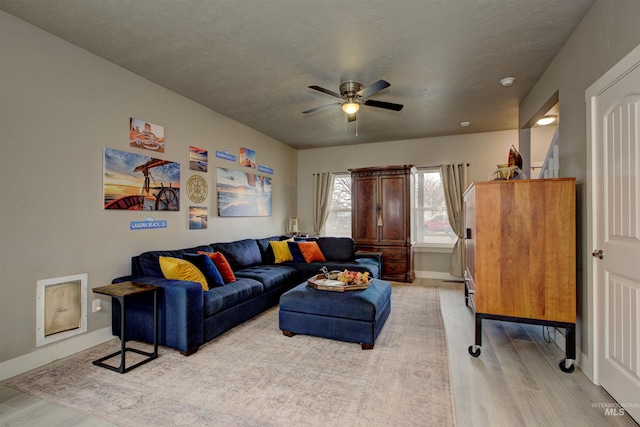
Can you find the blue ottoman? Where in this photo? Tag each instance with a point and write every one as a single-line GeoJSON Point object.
{"type": "Point", "coordinates": [352, 316]}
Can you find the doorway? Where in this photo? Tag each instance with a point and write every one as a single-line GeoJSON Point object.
{"type": "Point", "coordinates": [614, 233]}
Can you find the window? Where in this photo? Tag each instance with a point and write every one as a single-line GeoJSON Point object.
{"type": "Point", "coordinates": [339, 221]}
{"type": "Point", "coordinates": [431, 227]}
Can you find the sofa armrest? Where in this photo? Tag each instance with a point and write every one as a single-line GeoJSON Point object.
{"type": "Point", "coordinates": [180, 314]}
{"type": "Point", "coordinates": [124, 279]}
{"type": "Point", "coordinates": [365, 256]}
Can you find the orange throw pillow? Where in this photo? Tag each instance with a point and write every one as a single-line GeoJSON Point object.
{"type": "Point", "coordinates": [222, 265]}
{"type": "Point", "coordinates": [311, 252]}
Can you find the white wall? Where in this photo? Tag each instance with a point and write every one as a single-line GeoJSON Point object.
{"type": "Point", "coordinates": [59, 106]}
{"type": "Point", "coordinates": [608, 32]}
{"type": "Point", "coordinates": [541, 138]}
{"type": "Point", "coordinates": [483, 151]}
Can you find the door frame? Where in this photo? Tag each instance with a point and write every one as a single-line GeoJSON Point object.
{"type": "Point", "coordinates": [589, 364]}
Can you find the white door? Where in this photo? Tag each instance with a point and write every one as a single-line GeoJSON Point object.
{"type": "Point", "coordinates": [615, 157]}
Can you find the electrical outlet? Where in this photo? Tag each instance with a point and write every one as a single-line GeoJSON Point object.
{"type": "Point", "coordinates": [96, 305]}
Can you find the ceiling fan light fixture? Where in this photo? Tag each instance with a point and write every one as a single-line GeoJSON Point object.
{"type": "Point", "coordinates": [350, 107]}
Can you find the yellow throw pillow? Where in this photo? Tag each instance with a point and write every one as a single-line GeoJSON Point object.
{"type": "Point", "coordinates": [281, 251]}
{"type": "Point", "coordinates": [179, 269]}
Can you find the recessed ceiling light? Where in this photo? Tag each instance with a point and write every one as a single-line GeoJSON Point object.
{"type": "Point", "coordinates": [546, 120]}
{"type": "Point", "coordinates": [507, 81]}
{"type": "Point", "coordinates": [464, 124]}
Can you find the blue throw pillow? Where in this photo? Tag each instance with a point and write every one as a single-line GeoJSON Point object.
{"type": "Point", "coordinates": [296, 253]}
{"type": "Point", "coordinates": [207, 267]}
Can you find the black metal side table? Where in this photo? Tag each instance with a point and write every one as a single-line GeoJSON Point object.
{"type": "Point", "coordinates": [121, 291]}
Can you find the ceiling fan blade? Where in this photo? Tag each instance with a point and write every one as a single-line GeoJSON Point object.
{"type": "Point", "coordinates": [351, 117]}
{"type": "Point", "coordinates": [324, 107]}
{"type": "Point", "coordinates": [327, 91]}
{"type": "Point", "coordinates": [382, 104]}
{"type": "Point", "coordinates": [373, 88]}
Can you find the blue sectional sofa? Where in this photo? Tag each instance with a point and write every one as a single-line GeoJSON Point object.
{"type": "Point", "coordinates": [188, 316]}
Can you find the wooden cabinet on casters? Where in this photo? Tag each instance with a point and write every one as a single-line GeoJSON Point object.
{"type": "Point", "coordinates": [520, 255]}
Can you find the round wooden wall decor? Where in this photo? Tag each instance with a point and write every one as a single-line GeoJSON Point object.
{"type": "Point", "coordinates": [197, 189]}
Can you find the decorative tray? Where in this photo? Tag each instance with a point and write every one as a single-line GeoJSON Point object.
{"type": "Point", "coordinates": [321, 283]}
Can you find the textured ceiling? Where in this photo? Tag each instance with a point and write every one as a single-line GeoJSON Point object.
{"type": "Point", "coordinates": [253, 60]}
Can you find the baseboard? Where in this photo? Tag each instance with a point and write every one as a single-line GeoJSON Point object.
{"type": "Point", "coordinates": [53, 352]}
{"type": "Point", "coordinates": [560, 339]}
{"type": "Point", "coordinates": [586, 366]}
{"type": "Point", "coordinates": [437, 275]}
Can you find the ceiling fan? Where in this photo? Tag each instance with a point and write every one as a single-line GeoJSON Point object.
{"type": "Point", "coordinates": [353, 95]}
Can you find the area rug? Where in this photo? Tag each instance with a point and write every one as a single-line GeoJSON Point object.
{"type": "Point", "coordinates": [255, 376]}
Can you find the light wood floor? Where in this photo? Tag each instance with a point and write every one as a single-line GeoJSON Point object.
{"type": "Point", "coordinates": [515, 381]}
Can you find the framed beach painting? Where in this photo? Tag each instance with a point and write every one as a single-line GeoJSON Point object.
{"type": "Point", "coordinates": [247, 157]}
{"type": "Point", "coordinates": [198, 159]}
{"type": "Point", "coordinates": [243, 194]}
{"type": "Point", "coordinates": [198, 217]}
{"type": "Point", "coordinates": [137, 182]}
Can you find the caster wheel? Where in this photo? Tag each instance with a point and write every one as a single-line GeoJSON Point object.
{"type": "Point", "coordinates": [466, 302]}
{"type": "Point", "coordinates": [474, 353]}
{"type": "Point", "coordinates": [563, 367]}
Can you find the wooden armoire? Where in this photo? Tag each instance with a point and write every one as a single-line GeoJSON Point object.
{"type": "Point", "coordinates": [381, 212]}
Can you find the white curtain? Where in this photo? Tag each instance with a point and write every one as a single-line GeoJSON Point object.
{"type": "Point", "coordinates": [322, 192]}
{"type": "Point", "coordinates": [454, 183]}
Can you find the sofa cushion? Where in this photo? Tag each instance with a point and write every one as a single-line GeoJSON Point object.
{"type": "Point", "coordinates": [207, 267]}
{"type": "Point", "coordinates": [337, 248]}
{"type": "Point", "coordinates": [179, 269]}
{"type": "Point", "coordinates": [222, 265]}
{"type": "Point", "coordinates": [281, 251]}
{"type": "Point", "coordinates": [271, 276]}
{"type": "Point", "coordinates": [241, 253]}
{"type": "Point", "coordinates": [311, 252]}
{"type": "Point", "coordinates": [147, 263]}
{"type": "Point", "coordinates": [232, 294]}
{"type": "Point", "coordinates": [265, 249]}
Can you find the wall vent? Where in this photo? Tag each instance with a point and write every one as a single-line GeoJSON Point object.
{"type": "Point", "coordinates": [61, 308]}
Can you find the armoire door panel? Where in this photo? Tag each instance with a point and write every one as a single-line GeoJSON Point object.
{"type": "Point", "coordinates": [365, 227]}
{"type": "Point", "coordinates": [394, 202]}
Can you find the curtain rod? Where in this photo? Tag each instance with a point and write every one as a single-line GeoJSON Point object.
{"type": "Point", "coordinates": [436, 166]}
{"type": "Point", "coordinates": [419, 167]}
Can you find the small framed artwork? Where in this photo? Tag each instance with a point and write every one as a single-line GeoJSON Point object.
{"type": "Point", "coordinates": [197, 159]}
{"type": "Point", "coordinates": [145, 135]}
{"type": "Point", "coordinates": [198, 217]}
{"type": "Point", "coordinates": [247, 157]}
